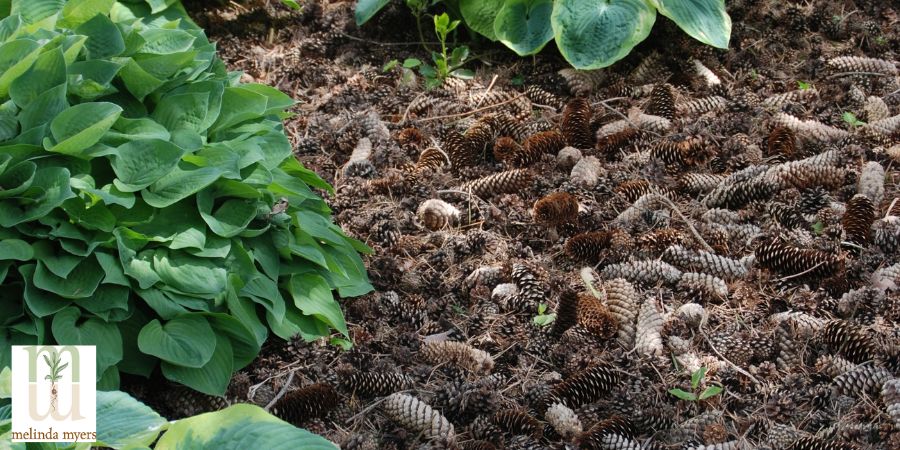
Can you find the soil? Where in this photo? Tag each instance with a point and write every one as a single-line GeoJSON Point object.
{"type": "Point", "coordinates": [781, 285]}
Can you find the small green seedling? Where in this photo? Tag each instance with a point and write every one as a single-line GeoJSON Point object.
{"type": "Point", "coordinates": [344, 344]}
{"type": "Point", "coordinates": [803, 85]}
{"type": "Point", "coordinates": [696, 377]}
{"type": "Point", "coordinates": [851, 119]}
{"type": "Point", "coordinates": [543, 319]}
{"type": "Point", "coordinates": [818, 227]}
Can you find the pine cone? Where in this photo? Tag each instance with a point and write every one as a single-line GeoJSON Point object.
{"type": "Point", "coordinates": [418, 417]}
{"type": "Point", "coordinates": [648, 272]}
{"type": "Point", "coordinates": [310, 402]}
{"type": "Point", "coordinates": [847, 340]}
{"type": "Point", "coordinates": [662, 101]}
{"type": "Point", "coordinates": [563, 420]}
{"type": "Point", "coordinates": [814, 443]}
{"type": "Point", "coordinates": [593, 438]}
{"type": "Point", "coordinates": [595, 317]}
{"type": "Point", "coordinates": [704, 262]}
{"type": "Point", "coordinates": [587, 246]}
{"type": "Point", "coordinates": [508, 182]}
{"type": "Point", "coordinates": [789, 260]}
{"type": "Point", "coordinates": [457, 353]}
{"type": "Point", "coordinates": [541, 96]}
{"type": "Point", "coordinates": [377, 384]}
{"type": "Point", "coordinates": [862, 64]}
{"type": "Point", "coordinates": [436, 214]}
{"type": "Point", "coordinates": [890, 396]}
{"type": "Point", "coordinates": [623, 304]}
{"type": "Point", "coordinates": [506, 149]}
{"type": "Point", "coordinates": [613, 143]}
{"type": "Point", "coordinates": [517, 422]}
{"type": "Point", "coordinates": [457, 148]}
{"type": "Point", "coordinates": [857, 220]}
{"type": "Point", "coordinates": [781, 142]}
{"type": "Point", "coordinates": [556, 208]}
{"type": "Point", "coordinates": [576, 124]}
{"type": "Point", "coordinates": [566, 313]}
{"type": "Point", "coordinates": [537, 145]}
{"type": "Point", "coordinates": [586, 386]}
{"type": "Point", "coordinates": [648, 340]}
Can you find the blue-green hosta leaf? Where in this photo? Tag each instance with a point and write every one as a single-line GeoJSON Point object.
{"type": "Point", "coordinates": [40, 302]}
{"type": "Point", "coordinates": [480, 16]}
{"type": "Point", "coordinates": [312, 295]}
{"type": "Point", "coordinates": [366, 9]}
{"type": "Point", "coordinates": [213, 377]}
{"type": "Point", "coordinates": [48, 71]}
{"type": "Point", "coordinates": [15, 249]}
{"type": "Point", "coordinates": [244, 343]}
{"type": "Point", "coordinates": [524, 25]}
{"type": "Point", "coordinates": [16, 57]}
{"type": "Point", "coordinates": [183, 111]}
{"type": "Point", "coordinates": [186, 340]}
{"type": "Point", "coordinates": [69, 328]}
{"type": "Point", "coordinates": [123, 422]}
{"type": "Point", "coordinates": [225, 218]}
{"type": "Point", "coordinates": [239, 426]}
{"type": "Point", "coordinates": [138, 80]}
{"type": "Point", "coordinates": [10, 26]}
{"type": "Point", "coordinates": [239, 104]}
{"type": "Point", "coordinates": [138, 164]}
{"type": "Point", "coordinates": [104, 39]}
{"type": "Point", "coordinates": [17, 179]}
{"type": "Point", "coordinates": [37, 115]}
{"type": "Point", "coordinates": [190, 274]}
{"type": "Point", "coordinates": [109, 302]}
{"type": "Point", "coordinates": [592, 34]}
{"type": "Point", "coordinates": [77, 12]}
{"type": "Point", "coordinates": [704, 20]}
{"type": "Point", "coordinates": [164, 41]}
{"type": "Point", "coordinates": [80, 283]}
{"type": "Point", "coordinates": [53, 190]}
{"type": "Point", "coordinates": [81, 126]}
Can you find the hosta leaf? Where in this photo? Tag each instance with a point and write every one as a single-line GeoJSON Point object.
{"type": "Point", "coordinates": [229, 217]}
{"type": "Point", "coordinates": [80, 283]}
{"type": "Point", "coordinates": [213, 377]}
{"type": "Point", "coordinates": [480, 16]}
{"type": "Point", "coordinates": [592, 34]}
{"type": "Point", "coordinates": [244, 344]}
{"type": "Point", "coordinates": [524, 25]}
{"type": "Point", "coordinates": [366, 9]}
{"type": "Point", "coordinates": [48, 71]}
{"type": "Point", "coordinates": [239, 426]}
{"type": "Point", "coordinates": [123, 422]}
{"type": "Point", "coordinates": [77, 12]}
{"type": "Point", "coordinates": [704, 20]}
{"type": "Point", "coordinates": [15, 58]}
{"type": "Point", "coordinates": [40, 302]}
{"type": "Point", "coordinates": [179, 184]}
{"type": "Point", "coordinates": [139, 164]}
{"type": "Point", "coordinates": [36, 10]}
{"type": "Point", "coordinates": [312, 295]}
{"type": "Point", "coordinates": [70, 328]}
{"type": "Point", "coordinates": [17, 179]}
{"type": "Point", "coordinates": [189, 274]}
{"type": "Point", "coordinates": [53, 189]}
{"type": "Point", "coordinates": [82, 126]}
{"type": "Point", "coordinates": [186, 340]}
{"type": "Point", "coordinates": [103, 37]}
{"type": "Point", "coordinates": [15, 249]}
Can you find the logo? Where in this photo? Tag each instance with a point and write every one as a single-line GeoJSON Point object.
{"type": "Point", "coordinates": [54, 393]}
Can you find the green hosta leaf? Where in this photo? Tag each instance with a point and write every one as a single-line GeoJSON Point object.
{"type": "Point", "coordinates": [80, 283]}
{"type": "Point", "coordinates": [244, 344]}
{"type": "Point", "coordinates": [186, 340]}
{"type": "Point", "coordinates": [709, 392]}
{"type": "Point", "coordinates": [36, 10]}
{"type": "Point", "coordinates": [524, 25]}
{"type": "Point", "coordinates": [15, 58]}
{"type": "Point", "coordinates": [182, 111]}
{"type": "Point", "coordinates": [139, 164]}
{"type": "Point", "coordinates": [77, 12]}
{"type": "Point", "coordinates": [239, 426]}
{"type": "Point", "coordinates": [17, 179]}
{"type": "Point", "coordinates": [312, 295]}
{"type": "Point", "coordinates": [69, 328]}
{"type": "Point", "coordinates": [704, 20]}
{"type": "Point", "coordinates": [366, 9]}
{"type": "Point", "coordinates": [480, 16]}
{"type": "Point", "coordinates": [104, 39]}
{"type": "Point", "coordinates": [189, 274]}
{"type": "Point", "coordinates": [15, 249]}
{"type": "Point", "coordinates": [592, 34]}
{"type": "Point", "coordinates": [10, 26]}
{"type": "Point", "coordinates": [123, 422]}
{"type": "Point", "coordinates": [51, 184]}
{"type": "Point", "coordinates": [179, 184]}
{"type": "Point", "coordinates": [40, 302]}
{"type": "Point", "coordinates": [82, 126]}
{"type": "Point", "coordinates": [212, 378]}
{"type": "Point", "coordinates": [689, 396]}
{"type": "Point", "coordinates": [230, 217]}
{"type": "Point", "coordinates": [48, 71]}
{"type": "Point", "coordinates": [5, 383]}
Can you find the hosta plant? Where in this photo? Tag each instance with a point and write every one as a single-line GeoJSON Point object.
{"type": "Point", "coordinates": [149, 201]}
{"type": "Point", "coordinates": [590, 34]}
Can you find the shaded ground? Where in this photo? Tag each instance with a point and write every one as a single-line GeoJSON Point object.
{"type": "Point", "coordinates": [731, 234]}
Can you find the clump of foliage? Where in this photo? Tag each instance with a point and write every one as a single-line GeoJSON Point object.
{"type": "Point", "coordinates": [590, 34]}
{"type": "Point", "coordinates": [696, 378]}
{"type": "Point", "coordinates": [445, 64]}
{"type": "Point", "coordinates": [123, 422]}
{"type": "Point", "coordinates": [149, 201]}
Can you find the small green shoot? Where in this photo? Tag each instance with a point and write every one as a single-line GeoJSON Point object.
{"type": "Point", "coordinates": [818, 227]}
{"type": "Point", "coordinates": [803, 85]}
{"type": "Point", "coordinates": [446, 63]}
{"type": "Point", "coordinates": [389, 65]}
{"type": "Point", "coordinates": [344, 344]}
{"type": "Point", "coordinates": [293, 4]}
{"type": "Point", "coordinates": [696, 378]}
{"type": "Point", "coordinates": [851, 119]}
{"type": "Point", "coordinates": [543, 319]}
